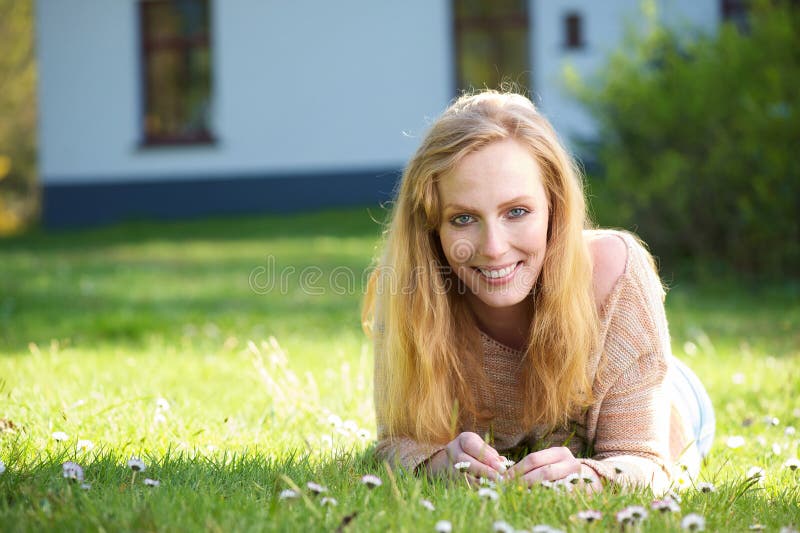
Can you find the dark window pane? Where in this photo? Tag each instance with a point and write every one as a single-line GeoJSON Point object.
{"type": "Point", "coordinates": [573, 31]}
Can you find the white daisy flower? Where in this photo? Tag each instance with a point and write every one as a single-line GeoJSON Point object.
{"type": "Point", "coordinates": [789, 430]}
{"type": "Point", "coordinates": [672, 495]}
{"type": "Point", "coordinates": [462, 466]}
{"type": "Point", "coordinates": [316, 488]}
{"type": "Point", "coordinates": [371, 481]}
{"type": "Point", "coordinates": [693, 522]}
{"type": "Point", "coordinates": [326, 440]}
{"type": "Point", "coordinates": [443, 526]}
{"type": "Point", "coordinates": [761, 440]}
{"type": "Point", "coordinates": [151, 482]}
{"type": "Point", "coordinates": [667, 505]}
{"type": "Point", "coordinates": [735, 441]}
{"type": "Point", "coordinates": [689, 348]}
{"type": "Point", "coordinates": [638, 512]}
{"type": "Point", "coordinates": [508, 463]}
{"type": "Point", "coordinates": [683, 481]}
{"type": "Point", "coordinates": [2, 467]}
{"type": "Point", "coordinates": [84, 445]}
{"type": "Point", "coordinates": [162, 404]}
{"type": "Point", "coordinates": [488, 493]}
{"type": "Point", "coordinates": [59, 436]}
{"type": "Point", "coordinates": [706, 487]}
{"type": "Point", "coordinates": [72, 471]}
{"type": "Point", "coordinates": [159, 418]}
{"type": "Point", "coordinates": [771, 421]}
{"type": "Point", "coordinates": [501, 526]}
{"type": "Point", "coordinates": [757, 527]}
{"type": "Point", "coordinates": [136, 464]}
{"type": "Point", "coordinates": [792, 464]}
{"type": "Point", "coordinates": [544, 528]}
{"type": "Point", "coordinates": [287, 494]}
{"type": "Point", "coordinates": [363, 434]}
{"type": "Point", "coordinates": [788, 529]}
{"type": "Point", "coordinates": [572, 479]}
{"type": "Point", "coordinates": [327, 500]}
{"type": "Point", "coordinates": [589, 515]}
{"type": "Point", "coordinates": [486, 482]}
{"type": "Point", "coordinates": [350, 426]}
{"type": "Point", "coordinates": [776, 448]}
{"type": "Point", "coordinates": [547, 484]}
{"type": "Point", "coordinates": [334, 421]}
{"type": "Point", "coordinates": [624, 516]}
{"type": "Point", "coordinates": [756, 472]}
{"type": "Point", "coordinates": [86, 486]}
{"type": "Point", "coordinates": [427, 505]}
{"type": "Point", "coordinates": [737, 378]}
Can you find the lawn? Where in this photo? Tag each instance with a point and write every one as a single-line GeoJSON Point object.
{"type": "Point", "coordinates": [228, 355]}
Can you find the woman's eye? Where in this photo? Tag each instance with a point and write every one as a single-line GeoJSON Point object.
{"type": "Point", "coordinates": [461, 220]}
{"type": "Point", "coordinates": [518, 212]}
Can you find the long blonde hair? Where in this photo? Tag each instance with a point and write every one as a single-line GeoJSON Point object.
{"type": "Point", "coordinates": [427, 348]}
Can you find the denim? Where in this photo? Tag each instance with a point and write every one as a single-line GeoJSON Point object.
{"type": "Point", "coordinates": [693, 402]}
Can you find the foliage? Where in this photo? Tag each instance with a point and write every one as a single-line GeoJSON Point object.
{"type": "Point", "coordinates": [698, 142]}
{"type": "Point", "coordinates": [98, 326]}
{"type": "Point", "coordinates": [17, 115]}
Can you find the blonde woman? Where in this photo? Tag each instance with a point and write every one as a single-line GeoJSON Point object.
{"type": "Point", "coordinates": [504, 328]}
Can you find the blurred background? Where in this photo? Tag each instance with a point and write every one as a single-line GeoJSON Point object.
{"type": "Point", "coordinates": [684, 113]}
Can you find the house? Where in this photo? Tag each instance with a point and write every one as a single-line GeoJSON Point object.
{"type": "Point", "coordinates": [178, 108]}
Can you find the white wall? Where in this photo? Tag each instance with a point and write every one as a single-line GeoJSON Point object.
{"type": "Point", "coordinates": [298, 86]}
{"type": "Point", "coordinates": [604, 26]}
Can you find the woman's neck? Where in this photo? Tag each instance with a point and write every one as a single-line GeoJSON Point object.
{"type": "Point", "coordinates": [508, 325]}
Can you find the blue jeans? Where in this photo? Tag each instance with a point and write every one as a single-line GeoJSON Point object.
{"type": "Point", "coordinates": [693, 402]}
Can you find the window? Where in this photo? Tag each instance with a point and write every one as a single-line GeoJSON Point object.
{"type": "Point", "coordinates": [491, 43]}
{"type": "Point", "coordinates": [176, 71]}
{"type": "Point", "coordinates": [735, 11]}
{"type": "Point", "coordinates": [573, 31]}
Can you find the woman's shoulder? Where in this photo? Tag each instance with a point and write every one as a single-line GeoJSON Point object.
{"type": "Point", "coordinates": [618, 256]}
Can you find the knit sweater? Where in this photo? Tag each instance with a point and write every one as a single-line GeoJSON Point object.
{"type": "Point", "coordinates": [633, 430]}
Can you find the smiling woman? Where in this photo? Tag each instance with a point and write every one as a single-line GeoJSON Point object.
{"type": "Point", "coordinates": [527, 335]}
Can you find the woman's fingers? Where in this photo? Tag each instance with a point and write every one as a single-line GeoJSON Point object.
{"type": "Point", "coordinates": [552, 472]}
{"type": "Point", "coordinates": [535, 460]}
{"type": "Point", "coordinates": [476, 447]}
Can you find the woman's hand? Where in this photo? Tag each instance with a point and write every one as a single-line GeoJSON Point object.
{"type": "Point", "coordinates": [484, 461]}
{"type": "Point", "coordinates": [553, 464]}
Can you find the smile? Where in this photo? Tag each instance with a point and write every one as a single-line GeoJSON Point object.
{"type": "Point", "coordinates": [498, 274]}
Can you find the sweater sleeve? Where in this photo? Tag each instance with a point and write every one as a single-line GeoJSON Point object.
{"type": "Point", "coordinates": [631, 416]}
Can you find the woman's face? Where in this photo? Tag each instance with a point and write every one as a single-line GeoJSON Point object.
{"type": "Point", "coordinates": [494, 223]}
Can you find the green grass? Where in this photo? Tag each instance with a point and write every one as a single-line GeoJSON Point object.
{"type": "Point", "coordinates": [96, 326]}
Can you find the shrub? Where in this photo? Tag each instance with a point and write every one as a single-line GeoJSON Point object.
{"type": "Point", "coordinates": [699, 143]}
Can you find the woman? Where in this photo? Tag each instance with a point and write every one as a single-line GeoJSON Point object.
{"type": "Point", "coordinates": [504, 328]}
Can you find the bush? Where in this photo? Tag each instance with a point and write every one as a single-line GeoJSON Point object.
{"type": "Point", "coordinates": [699, 143]}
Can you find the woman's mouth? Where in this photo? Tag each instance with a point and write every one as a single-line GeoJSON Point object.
{"type": "Point", "coordinates": [498, 275]}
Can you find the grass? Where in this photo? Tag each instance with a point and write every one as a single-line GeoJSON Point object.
{"type": "Point", "coordinates": [96, 327]}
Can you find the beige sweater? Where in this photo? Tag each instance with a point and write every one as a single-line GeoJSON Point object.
{"type": "Point", "coordinates": [633, 430]}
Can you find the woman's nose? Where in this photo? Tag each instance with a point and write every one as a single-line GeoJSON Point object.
{"type": "Point", "coordinates": [493, 242]}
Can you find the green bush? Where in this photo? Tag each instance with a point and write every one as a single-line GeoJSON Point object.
{"type": "Point", "coordinates": [699, 143]}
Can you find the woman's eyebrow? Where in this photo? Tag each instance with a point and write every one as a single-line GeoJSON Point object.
{"type": "Point", "coordinates": [516, 200]}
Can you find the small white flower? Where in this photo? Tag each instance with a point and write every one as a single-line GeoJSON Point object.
{"type": "Point", "coordinates": [544, 528]}
{"type": "Point", "coordinates": [624, 516]}
{"type": "Point", "coordinates": [327, 500]}
{"type": "Point", "coordinates": [2, 467]}
{"type": "Point", "coordinates": [443, 526]}
{"type": "Point", "coordinates": [693, 522]}
{"type": "Point", "coordinates": [86, 486]}
{"type": "Point", "coordinates": [287, 494]}
{"type": "Point", "coordinates": [350, 426]}
{"type": "Point", "coordinates": [159, 418]}
{"type": "Point", "coordinates": [638, 512]}
{"type": "Point", "coordinates": [501, 526]}
{"type": "Point", "coordinates": [756, 472]}
{"type": "Point", "coordinates": [151, 482]}
{"type": "Point", "coordinates": [589, 515]}
{"type": "Point", "coordinates": [547, 484]}
{"type": "Point", "coordinates": [737, 378]}
{"type": "Point", "coordinates": [162, 404]}
{"type": "Point", "coordinates": [84, 445]}
{"type": "Point", "coordinates": [683, 481]}
{"type": "Point", "coordinates": [72, 471]}
{"type": "Point", "coordinates": [666, 505]}
{"type": "Point", "coordinates": [326, 440]}
{"type": "Point", "coordinates": [735, 441]}
{"type": "Point", "coordinates": [788, 529]}
{"type": "Point", "coordinates": [59, 436]}
{"type": "Point", "coordinates": [761, 440]}
{"type": "Point", "coordinates": [789, 430]}
{"type": "Point", "coordinates": [757, 527]}
{"type": "Point", "coordinates": [771, 421]}
{"type": "Point", "coordinates": [334, 421]}
{"type": "Point", "coordinates": [689, 348]}
{"type": "Point", "coordinates": [508, 463]}
{"type": "Point", "coordinates": [776, 448]}
{"type": "Point", "coordinates": [792, 464]}
{"type": "Point", "coordinates": [371, 481]}
{"type": "Point", "coordinates": [488, 493]}
{"type": "Point", "coordinates": [427, 505]}
{"type": "Point", "coordinates": [486, 482]}
{"type": "Point", "coordinates": [462, 466]}
{"type": "Point", "coordinates": [706, 487]}
{"type": "Point", "coordinates": [572, 479]}
{"type": "Point", "coordinates": [363, 434]}
{"type": "Point", "coordinates": [316, 488]}
{"type": "Point", "coordinates": [672, 495]}
{"type": "Point", "coordinates": [136, 464]}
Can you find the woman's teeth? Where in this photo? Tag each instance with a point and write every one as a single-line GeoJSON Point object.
{"type": "Point", "coordinates": [503, 272]}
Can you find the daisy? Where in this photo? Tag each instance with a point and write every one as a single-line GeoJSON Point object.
{"type": "Point", "coordinates": [72, 471]}
{"type": "Point", "coordinates": [756, 472]}
{"type": "Point", "coordinates": [544, 528]}
{"type": "Point", "coordinates": [136, 464]}
{"type": "Point", "coordinates": [771, 421]}
{"type": "Point", "coordinates": [776, 448]}
{"type": "Point", "coordinates": [665, 505]}
{"type": "Point", "coordinates": [693, 522]}
{"type": "Point", "coordinates": [371, 481]}
{"type": "Point", "coordinates": [363, 434]}
{"type": "Point", "coordinates": [443, 526]}
{"type": "Point", "coordinates": [757, 527]}
{"type": "Point", "coordinates": [287, 494]}
{"type": "Point", "coordinates": [672, 495]}
{"type": "Point", "coordinates": [316, 488]}
{"type": "Point", "coordinates": [334, 421]}
{"type": "Point", "coordinates": [427, 505]}
{"type": "Point", "coordinates": [84, 445]}
{"type": "Point", "coordinates": [2, 467]}
{"type": "Point", "coordinates": [624, 516]}
{"type": "Point", "coordinates": [159, 418]}
{"type": "Point", "coordinates": [547, 484]}
{"type": "Point", "coordinates": [326, 440]}
{"type": "Point", "coordinates": [59, 436]}
{"type": "Point", "coordinates": [462, 466]}
{"type": "Point", "coordinates": [502, 526]}
{"type": "Point", "coordinates": [638, 512]}
{"type": "Point", "coordinates": [789, 430]}
{"type": "Point", "coordinates": [350, 426]}
{"type": "Point", "coordinates": [162, 404]}
{"type": "Point", "coordinates": [706, 487]}
{"type": "Point", "coordinates": [328, 501]}
{"type": "Point", "coordinates": [792, 464]}
{"type": "Point", "coordinates": [589, 515]}
{"type": "Point", "coordinates": [86, 486]}
{"type": "Point", "coordinates": [736, 441]}
{"type": "Point", "coordinates": [151, 482]}
{"type": "Point", "coordinates": [508, 463]}
{"type": "Point", "coordinates": [572, 479]}
{"type": "Point", "coordinates": [488, 493]}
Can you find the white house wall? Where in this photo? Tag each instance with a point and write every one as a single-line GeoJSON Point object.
{"type": "Point", "coordinates": [299, 86]}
